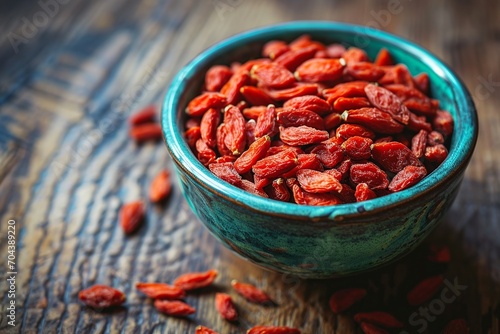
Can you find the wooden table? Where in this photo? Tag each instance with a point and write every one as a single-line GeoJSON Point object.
{"type": "Point", "coordinates": [67, 164]}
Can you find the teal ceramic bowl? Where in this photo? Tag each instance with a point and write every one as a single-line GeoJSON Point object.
{"type": "Point", "coordinates": [331, 241]}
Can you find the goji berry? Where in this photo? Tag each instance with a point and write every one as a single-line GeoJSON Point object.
{"type": "Point", "coordinates": [317, 182]}
{"type": "Point", "coordinates": [253, 188]}
{"type": "Point", "coordinates": [387, 101]}
{"type": "Point", "coordinates": [310, 102]}
{"type": "Point", "coordinates": [204, 330]}
{"type": "Point", "coordinates": [208, 127]}
{"type": "Point", "coordinates": [234, 138]}
{"type": "Point", "coordinates": [439, 254]}
{"type": "Point", "coordinates": [370, 174]}
{"type": "Point", "coordinates": [200, 104]}
{"type": "Point", "coordinates": [424, 290]}
{"type": "Point", "coordinates": [295, 91]}
{"type": "Point", "coordinates": [251, 292]}
{"type": "Point", "coordinates": [224, 304]}
{"type": "Point", "coordinates": [302, 135]}
{"type": "Point", "coordinates": [335, 50]}
{"type": "Point", "coordinates": [192, 122]}
{"type": "Point", "coordinates": [293, 58]}
{"type": "Point", "coordinates": [279, 191]}
{"type": "Point", "coordinates": [204, 153]}
{"type": "Point", "coordinates": [456, 326]}
{"type": "Point", "coordinates": [247, 66]}
{"type": "Point", "coordinates": [394, 156]}
{"type": "Point", "coordinates": [372, 329]}
{"type": "Point", "coordinates": [266, 123]}
{"type": "Point", "coordinates": [354, 54]}
{"type": "Point", "coordinates": [343, 299]}
{"type": "Point", "coordinates": [101, 296]}
{"type": "Point", "coordinates": [305, 161]}
{"type": "Point", "coordinates": [346, 103]}
{"type": "Point", "coordinates": [295, 117]}
{"type": "Point", "coordinates": [197, 280]}
{"type": "Point", "coordinates": [147, 131]}
{"type": "Point", "coordinates": [407, 177]}
{"type": "Point", "coordinates": [216, 77]}
{"type": "Point", "coordinates": [305, 198]}
{"type": "Point", "coordinates": [331, 121]}
{"type": "Point", "coordinates": [273, 330]}
{"type": "Point", "coordinates": [379, 318]}
{"type": "Point", "coordinates": [329, 153]}
{"type": "Point", "coordinates": [443, 123]}
{"type": "Point", "coordinates": [173, 307]}
{"type": "Point", "coordinates": [145, 115]}
{"type": "Point", "coordinates": [364, 193]}
{"type": "Point", "coordinates": [435, 138]}
{"type": "Point", "coordinates": [253, 112]}
{"type": "Point", "coordinates": [347, 89]}
{"type": "Point", "coordinates": [256, 151]}
{"type": "Point", "coordinates": [220, 138]}
{"type": "Point", "coordinates": [373, 119]}
{"type": "Point", "coordinates": [350, 130]}
{"type": "Point", "coordinates": [160, 187]}
{"type": "Point", "coordinates": [250, 126]}
{"type": "Point", "coordinates": [226, 171]}
{"type": "Point", "coordinates": [192, 135]}
{"type": "Point", "coordinates": [364, 71]}
{"type": "Point", "coordinates": [255, 96]}
{"type": "Point", "coordinates": [274, 49]}
{"type": "Point", "coordinates": [417, 123]}
{"type": "Point", "coordinates": [358, 148]}
{"type": "Point", "coordinates": [231, 90]}
{"type": "Point", "coordinates": [275, 165]}
{"type": "Point", "coordinates": [319, 70]}
{"type": "Point", "coordinates": [131, 216]}
{"type": "Point", "coordinates": [436, 154]}
{"type": "Point", "coordinates": [422, 82]}
{"type": "Point", "coordinates": [418, 143]}
{"type": "Point", "coordinates": [272, 75]}
{"type": "Point", "coordinates": [383, 58]}
{"type": "Point", "coordinates": [305, 41]}
{"type": "Point", "coordinates": [160, 290]}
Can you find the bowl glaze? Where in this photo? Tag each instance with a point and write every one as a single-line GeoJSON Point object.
{"type": "Point", "coordinates": [309, 241]}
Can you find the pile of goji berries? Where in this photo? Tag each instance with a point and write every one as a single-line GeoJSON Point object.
{"type": "Point", "coordinates": [317, 124]}
{"type": "Point", "coordinates": [167, 299]}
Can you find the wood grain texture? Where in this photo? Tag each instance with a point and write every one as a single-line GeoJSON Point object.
{"type": "Point", "coordinates": [67, 165]}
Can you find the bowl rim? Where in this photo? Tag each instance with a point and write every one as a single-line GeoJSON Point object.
{"type": "Point", "coordinates": [451, 168]}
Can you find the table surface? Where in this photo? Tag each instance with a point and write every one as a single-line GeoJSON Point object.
{"type": "Point", "coordinates": [63, 178]}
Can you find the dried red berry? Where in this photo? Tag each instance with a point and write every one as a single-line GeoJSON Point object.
{"type": "Point", "coordinates": [131, 216]}
{"type": "Point", "coordinates": [341, 300]}
{"type": "Point", "coordinates": [197, 280]}
{"type": "Point", "coordinates": [424, 290]}
{"type": "Point", "coordinates": [173, 307]}
{"type": "Point", "coordinates": [160, 187]}
{"type": "Point", "coordinates": [273, 330]}
{"type": "Point", "coordinates": [101, 296]}
{"type": "Point", "coordinates": [251, 292]}
{"type": "Point", "coordinates": [224, 304]}
{"type": "Point", "coordinates": [160, 290]}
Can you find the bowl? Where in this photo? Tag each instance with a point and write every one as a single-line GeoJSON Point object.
{"type": "Point", "coordinates": [330, 241]}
